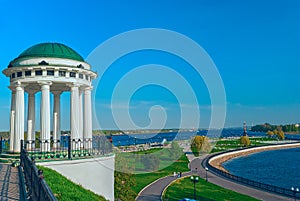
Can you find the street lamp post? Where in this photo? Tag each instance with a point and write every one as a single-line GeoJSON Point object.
{"type": "Point", "coordinates": [194, 179]}
{"type": "Point", "coordinates": [295, 191]}
{"type": "Point", "coordinates": [206, 169]}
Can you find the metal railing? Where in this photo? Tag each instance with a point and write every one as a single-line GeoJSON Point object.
{"type": "Point", "coordinates": [37, 188]}
{"type": "Point", "coordinates": [251, 183]}
{"type": "Point", "coordinates": [67, 148]}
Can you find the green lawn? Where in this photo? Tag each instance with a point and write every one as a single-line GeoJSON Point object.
{"type": "Point", "coordinates": [134, 158]}
{"type": "Point", "coordinates": [142, 180]}
{"type": "Point", "coordinates": [224, 144]}
{"type": "Point", "coordinates": [66, 190]}
{"type": "Point", "coordinates": [205, 191]}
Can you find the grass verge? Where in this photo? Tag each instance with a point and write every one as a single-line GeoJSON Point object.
{"type": "Point", "coordinates": [66, 190]}
{"type": "Point", "coordinates": [205, 191]}
{"type": "Point", "coordinates": [230, 144]}
{"type": "Point", "coordinates": [142, 180]}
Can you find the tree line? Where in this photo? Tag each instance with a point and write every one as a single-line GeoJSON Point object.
{"type": "Point", "coordinates": [269, 127]}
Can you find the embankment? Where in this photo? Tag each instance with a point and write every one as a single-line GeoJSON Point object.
{"type": "Point", "coordinates": [218, 160]}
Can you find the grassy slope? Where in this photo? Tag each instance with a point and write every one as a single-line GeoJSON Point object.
{"type": "Point", "coordinates": [205, 191]}
{"type": "Point", "coordinates": [66, 190]}
{"type": "Point", "coordinates": [142, 180]}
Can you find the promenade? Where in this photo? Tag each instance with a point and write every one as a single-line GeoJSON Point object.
{"type": "Point", "coordinates": [153, 192]}
{"type": "Point", "coordinates": [9, 183]}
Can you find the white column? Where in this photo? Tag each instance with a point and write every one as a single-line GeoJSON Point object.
{"type": "Point", "coordinates": [87, 117]}
{"type": "Point", "coordinates": [31, 118]}
{"type": "Point", "coordinates": [80, 118]}
{"type": "Point", "coordinates": [19, 118]}
{"type": "Point", "coordinates": [74, 112]}
{"type": "Point", "coordinates": [45, 116]}
{"type": "Point", "coordinates": [12, 119]}
{"type": "Point", "coordinates": [56, 118]}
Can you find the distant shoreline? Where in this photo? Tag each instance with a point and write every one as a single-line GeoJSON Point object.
{"type": "Point", "coordinates": [218, 161]}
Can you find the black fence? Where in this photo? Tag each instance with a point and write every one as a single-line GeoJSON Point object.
{"type": "Point", "coordinates": [67, 148]}
{"type": "Point", "coordinates": [262, 186]}
{"type": "Point", "coordinates": [36, 186]}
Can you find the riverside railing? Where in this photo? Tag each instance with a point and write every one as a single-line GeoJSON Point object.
{"type": "Point", "coordinates": [67, 148]}
{"type": "Point", "coordinates": [255, 184]}
{"type": "Point", "coordinates": [37, 188]}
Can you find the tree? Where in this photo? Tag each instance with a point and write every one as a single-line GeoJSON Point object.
{"type": "Point", "coordinates": [124, 179]}
{"type": "Point", "coordinates": [244, 140]}
{"type": "Point", "coordinates": [270, 134]}
{"type": "Point", "coordinates": [150, 161]}
{"type": "Point", "coordinates": [200, 144]}
{"type": "Point", "coordinates": [280, 135]}
{"type": "Point", "coordinates": [275, 131]}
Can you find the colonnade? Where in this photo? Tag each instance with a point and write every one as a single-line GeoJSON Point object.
{"type": "Point", "coordinates": [80, 115]}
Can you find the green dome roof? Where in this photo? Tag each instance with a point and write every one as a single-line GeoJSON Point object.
{"type": "Point", "coordinates": [56, 50]}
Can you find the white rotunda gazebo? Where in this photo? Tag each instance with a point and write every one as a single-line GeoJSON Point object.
{"type": "Point", "coordinates": [50, 68]}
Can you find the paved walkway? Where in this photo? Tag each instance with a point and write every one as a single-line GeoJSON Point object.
{"type": "Point", "coordinates": [259, 194]}
{"type": "Point", "coordinates": [9, 183]}
{"type": "Point", "coordinates": [154, 191]}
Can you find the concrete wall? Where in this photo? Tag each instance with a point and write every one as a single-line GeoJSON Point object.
{"type": "Point", "coordinates": [96, 174]}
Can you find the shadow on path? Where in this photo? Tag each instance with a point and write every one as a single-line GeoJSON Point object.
{"type": "Point", "coordinates": [9, 182]}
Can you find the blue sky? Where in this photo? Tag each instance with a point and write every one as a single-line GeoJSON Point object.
{"type": "Point", "coordinates": [254, 44]}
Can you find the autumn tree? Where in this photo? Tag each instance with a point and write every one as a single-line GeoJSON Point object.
{"type": "Point", "coordinates": [280, 135]}
{"type": "Point", "coordinates": [244, 140]}
{"type": "Point", "coordinates": [270, 134]}
{"type": "Point", "coordinates": [200, 144]}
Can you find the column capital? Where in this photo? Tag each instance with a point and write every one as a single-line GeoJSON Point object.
{"type": "Point", "coordinates": [12, 88]}
{"type": "Point", "coordinates": [84, 88]}
{"type": "Point", "coordinates": [42, 83]}
{"type": "Point", "coordinates": [73, 84]}
{"type": "Point", "coordinates": [88, 88]}
{"type": "Point", "coordinates": [56, 92]}
{"type": "Point", "coordinates": [16, 84]}
{"type": "Point", "coordinates": [31, 92]}
{"type": "Point", "coordinates": [20, 88]}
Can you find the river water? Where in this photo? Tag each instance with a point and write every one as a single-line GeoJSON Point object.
{"type": "Point", "coordinates": [276, 167]}
{"type": "Point", "coordinates": [132, 139]}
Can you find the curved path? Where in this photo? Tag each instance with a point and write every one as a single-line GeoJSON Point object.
{"type": "Point", "coordinates": [153, 191]}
